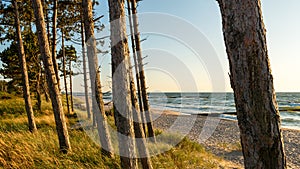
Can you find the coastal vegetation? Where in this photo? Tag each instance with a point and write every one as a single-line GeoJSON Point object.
{"type": "Point", "coordinates": [21, 149]}
{"type": "Point", "coordinates": [30, 67]}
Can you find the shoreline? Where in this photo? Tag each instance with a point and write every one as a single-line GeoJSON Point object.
{"type": "Point", "coordinates": [231, 115]}
{"type": "Point", "coordinates": [225, 139]}
{"type": "Point", "coordinates": [175, 113]}
{"type": "Point", "coordinates": [224, 142]}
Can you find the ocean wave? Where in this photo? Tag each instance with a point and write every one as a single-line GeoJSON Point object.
{"type": "Point", "coordinates": [194, 103]}
{"type": "Point", "coordinates": [292, 120]}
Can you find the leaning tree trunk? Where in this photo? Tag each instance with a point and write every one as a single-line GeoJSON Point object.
{"type": "Point", "coordinates": [141, 71]}
{"type": "Point", "coordinates": [45, 7]}
{"type": "Point", "coordinates": [120, 83]}
{"type": "Point", "coordinates": [137, 73]}
{"type": "Point", "coordinates": [86, 91]}
{"type": "Point", "coordinates": [54, 18]}
{"type": "Point", "coordinates": [139, 125]}
{"type": "Point", "coordinates": [26, 88]}
{"type": "Point", "coordinates": [252, 82]}
{"type": "Point", "coordinates": [64, 69]}
{"type": "Point", "coordinates": [97, 97]}
{"type": "Point", "coordinates": [60, 122]}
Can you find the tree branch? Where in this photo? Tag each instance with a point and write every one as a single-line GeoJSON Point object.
{"type": "Point", "coordinates": [95, 20]}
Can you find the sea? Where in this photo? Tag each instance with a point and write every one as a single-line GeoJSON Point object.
{"type": "Point", "coordinates": [188, 103]}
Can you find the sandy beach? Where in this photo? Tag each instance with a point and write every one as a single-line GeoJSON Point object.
{"type": "Point", "coordinates": [224, 142]}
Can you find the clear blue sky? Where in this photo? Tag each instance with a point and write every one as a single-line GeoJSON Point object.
{"type": "Point", "coordinates": [283, 38]}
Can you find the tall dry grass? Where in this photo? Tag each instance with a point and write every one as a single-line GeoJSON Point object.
{"type": "Point", "coordinates": [21, 149]}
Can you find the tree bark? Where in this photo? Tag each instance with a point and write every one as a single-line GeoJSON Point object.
{"type": "Point", "coordinates": [60, 122]}
{"type": "Point", "coordinates": [64, 69]}
{"type": "Point", "coordinates": [45, 7]}
{"type": "Point", "coordinates": [139, 125]}
{"type": "Point", "coordinates": [120, 83]}
{"type": "Point", "coordinates": [97, 97]}
{"type": "Point", "coordinates": [89, 35]}
{"type": "Point", "coordinates": [71, 85]}
{"type": "Point", "coordinates": [26, 88]}
{"type": "Point", "coordinates": [142, 74]}
{"type": "Point", "coordinates": [86, 91]}
{"type": "Point", "coordinates": [252, 82]}
{"type": "Point", "coordinates": [54, 18]}
{"type": "Point", "coordinates": [45, 87]}
{"type": "Point", "coordinates": [137, 74]}
{"type": "Point", "coordinates": [38, 87]}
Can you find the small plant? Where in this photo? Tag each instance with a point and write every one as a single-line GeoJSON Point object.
{"type": "Point", "coordinates": [236, 146]}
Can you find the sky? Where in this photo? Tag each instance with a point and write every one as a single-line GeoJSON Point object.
{"type": "Point", "coordinates": [176, 65]}
{"type": "Point", "coordinates": [185, 48]}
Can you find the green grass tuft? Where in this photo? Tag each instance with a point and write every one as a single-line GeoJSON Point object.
{"type": "Point", "coordinates": [12, 107]}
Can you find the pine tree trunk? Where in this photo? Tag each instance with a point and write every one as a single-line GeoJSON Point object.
{"type": "Point", "coordinates": [138, 127]}
{"type": "Point", "coordinates": [45, 88]}
{"type": "Point", "coordinates": [92, 65]}
{"type": "Point", "coordinates": [71, 85]}
{"type": "Point", "coordinates": [38, 97]}
{"type": "Point", "coordinates": [120, 83]}
{"type": "Point", "coordinates": [137, 74]}
{"type": "Point", "coordinates": [137, 123]}
{"type": "Point", "coordinates": [141, 71]}
{"type": "Point", "coordinates": [252, 82]}
{"type": "Point", "coordinates": [86, 91]}
{"type": "Point", "coordinates": [60, 122]}
{"type": "Point", "coordinates": [45, 7]}
{"type": "Point", "coordinates": [97, 97]}
{"type": "Point", "coordinates": [26, 88]}
{"type": "Point", "coordinates": [64, 69]}
{"type": "Point", "coordinates": [38, 88]}
{"type": "Point", "coordinates": [54, 18]}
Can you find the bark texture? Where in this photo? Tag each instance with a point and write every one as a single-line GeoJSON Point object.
{"type": "Point", "coordinates": [86, 91]}
{"type": "Point", "coordinates": [22, 58]}
{"type": "Point", "coordinates": [139, 128]}
{"type": "Point", "coordinates": [54, 19]}
{"type": "Point", "coordinates": [137, 74]}
{"type": "Point", "coordinates": [71, 85]}
{"type": "Point", "coordinates": [38, 88]}
{"type": "Point", "coordinates": [252, 82]}
{"type": "Point", "coordinates": [60, 122]}
{"type": "Point", "coordinates": [120, 83]}
{"type": "Point", "coordinates": [97, 97]}
{"type": "Point", "coordinates": [142, 73]}
{"type": "Point", "coordinates": [45, 7]}
{"type": "Point", "coordinates": [64, 69]}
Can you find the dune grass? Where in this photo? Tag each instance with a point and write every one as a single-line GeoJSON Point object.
{"type": "Point", "coordinates": [229, 147]}
{"type": "Point", "coordinates": [21, 149]}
